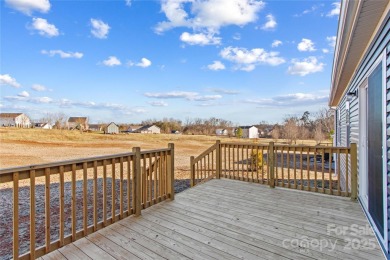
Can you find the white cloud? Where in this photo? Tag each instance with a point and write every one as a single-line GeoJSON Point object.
{"type": "Point", "coordinates": [29, 6]}
{"type": "Point", "coordinates": [191, 96]}
{"type": "Point", "coordinates": [331, 41]}
{"type": "Point", "coordinates": [270, 24]}
{"type": "Point", "coordinates": [237, 36]}
{"type": "Point", "coordinates": [225, 91]}
{"type": "Point", "coordinates": [44, 28]}
{"type": "Point", "coordinates": [62, 54]}
{"type": "Point", "coordinates": [128, 2]}
{"type": "Point", "coordinates": [295, 99]}
{"type": "Point", "coordinates": [276, 43]}
{"type": "Point", "coordinates": [325, 50]}
{"type": "Point", "coordinates": [310, 10]}
{"type": "Point", "coordinates": [173, 94]}
{"type": "Point", "coordinates": [99, 28]}
{"type": "Point", "coordinates": [305, 66]}
{"type": "Point", "coordinates": [24, 94]}
{"type": "Point", "coordinates": [144, 63]}
{"type": "Point", "coordinates": [248, 59]}
{"type": "Point", "coordinates": [200, 39]}
{"type": "Point", "coordinates": [306, 45]}
{"type": "Point", "coordinates": [38, 87]}
{"type": "Point", "coordinates": [208, 15]}
{"type": "Point", "coordinates": [158, 103]}
{"type": "Point", "coordinates": [40, 100]}
{"type": "Point", "coordinates": [6, 79]}
{"type": "Point", "coordinates": [335, 11]}
{"type": "Point", "coordinates": [217, 65]}
{"type": "Point", "coordinates": [112, 61]}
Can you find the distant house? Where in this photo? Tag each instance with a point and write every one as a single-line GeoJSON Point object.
{"type": "Point", "coordinates": [149, 129]}
{"type": "Point", "coordinates": [249, 132]}
{"type": "Point", "coordinates": [78, 123]}
{"type": "Point", "coordinates": [133, 128]}
{"type": "Point", "coordinates": [95, 127]}
{"type": "Point", "coordinates": [43, 125]}
{"type": "Point", "coordinates": [15, 119]}
{"type": "Point", "coordinates": [221, 132]}
{"type": "Point", "coordinates": [111, 128]}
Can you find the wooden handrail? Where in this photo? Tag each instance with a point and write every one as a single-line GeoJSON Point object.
{"type": "Point", "coordinates": [325, 169]}
{"type": "Point", "coordinates": [149, 176]}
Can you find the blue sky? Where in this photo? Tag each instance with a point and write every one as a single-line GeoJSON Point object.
{"type": "Point", "coordinates": [126, 61]}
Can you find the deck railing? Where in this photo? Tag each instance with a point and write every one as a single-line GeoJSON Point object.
{"type": "Point", "coordinates": [82, 196]}
{"type": "Point", "coordinates": [323, 169]}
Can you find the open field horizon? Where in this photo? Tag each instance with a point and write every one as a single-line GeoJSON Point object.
{"type": "Point", "coordinates": [21, 147]}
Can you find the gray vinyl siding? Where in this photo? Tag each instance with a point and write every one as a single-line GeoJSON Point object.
{"type": "Point", "coordinates": [388, 130]}
{"type": "Point", "coordinates": [378, 46]}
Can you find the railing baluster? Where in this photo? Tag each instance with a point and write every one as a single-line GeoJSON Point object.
{"type": "Point", "coordinates": [150, 172]}
{"type": "Point", "coordinates": [323, 170]}
{"type": "Point", "coordinates": [74, 220]}
{"type": "Point", "coordinates": [308, 168]}
{"type": "Point", "coordinates": [288, 167]}
{"type": "Point", "coordinates": [47, 209]}
{"type": "Point", "coordinates": [301, 166]}
{"type": "Point", "coordinates": [330, 172]}
{"type": "Point", "coordinates": [32, 214]}
{"type": "Point", "coordinates": [121, 188]}
{"type": "Point", "coordinates": [143, 181]}
{"type": "Point", "coordinates": [346, 172]}
{"type": "Point", "coordinates": [16, 215]}
{"type": "Point", "coordinates": [62, 205]}
{"type": "Point", "coordinates": [95, 195]}
{"type": "Point", "coordinates": [113, 190]}
{"type": "Point", "coordinates": [161, 172]}
{"type": "Point", "coordinates": [315, 170]}
{"type": "Point", "coordinates": [282, 163]}
{"type": "Point", "coordinates": [128, 184]}
{"type": "Point", "coordinates": [104, 192]}
{"type": "Point", "coordinates": [338, 172]}
{"type": "Point", "coordinates": [295, 167]}
{"type": "Point", "coordinates": [85, 194]}
{"type": "Point", "coordinates": [157, 168]}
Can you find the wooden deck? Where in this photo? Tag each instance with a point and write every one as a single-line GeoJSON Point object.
{"type": "Point", "coordinates": [226, 219]}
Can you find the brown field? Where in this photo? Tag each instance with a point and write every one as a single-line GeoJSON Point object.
{"type": "Point", "coordinates": [21, 147]}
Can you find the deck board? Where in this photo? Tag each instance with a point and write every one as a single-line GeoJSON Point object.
{"type": "Point", "coordinates": [227, 219]}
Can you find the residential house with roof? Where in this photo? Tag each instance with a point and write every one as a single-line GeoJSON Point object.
{"type": "Point", "coordinates": [15, 119]}
{"type": "Point", "coordinates": [360, 97]}
{"type": "Point", "coordinates": [111, 128]}
{"type": "Point", "coordinates": [249, 131]}
{"type": "Point", "coordinates": [148, 129]}
{"type": "Point", "coordinates": [78, 123]}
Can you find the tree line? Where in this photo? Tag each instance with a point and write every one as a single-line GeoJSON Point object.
{"type": "Point", "coordinates": [318, 126]}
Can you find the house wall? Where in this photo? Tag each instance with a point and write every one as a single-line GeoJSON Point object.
{"type": "Point", "coordinates": [347, 115]}
{"type": "Point", "coordinates": [19, 121]}
{"type": "Point", "coordinates": [112, 129]}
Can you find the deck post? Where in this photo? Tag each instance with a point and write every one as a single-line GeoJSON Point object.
{"type": "Point", "coordinates": [171, 171]}
{"type": "Point", "coordinates": [353, 171]}
{"type": "Point", "coordinates": [271, 161]}
{"type": "Point", "coordinates": [137, 180]}
{"type": "Point", "coordinates": [218, 160]}
{"type": "Point", "coordinates": [192, 168]}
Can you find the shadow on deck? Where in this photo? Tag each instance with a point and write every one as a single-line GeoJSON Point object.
{"type": "Point", "coordinates": [227, 219]}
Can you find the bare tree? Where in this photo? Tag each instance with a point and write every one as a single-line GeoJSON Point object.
{"type": "Point", "coordinates": [291, 130]}
{"type": "Point", "coordinates": [276, 132]}
{"type": "Point", "coordinates": [319, 134]}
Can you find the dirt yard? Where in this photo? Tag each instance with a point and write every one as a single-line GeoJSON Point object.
{"type": "Point", "coordinates": [21, 147]}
